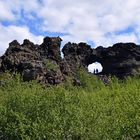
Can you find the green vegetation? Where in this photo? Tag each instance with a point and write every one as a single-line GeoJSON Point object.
{"type": "Point", "coordinates": [51, 65]}
{"type": "Point", "coordinates": [93, 111]}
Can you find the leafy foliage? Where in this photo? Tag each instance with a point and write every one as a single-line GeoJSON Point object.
{"type": "Point", "coordinates": [51, 65]}
{"type": "Point", "coordinates": [93, 111]}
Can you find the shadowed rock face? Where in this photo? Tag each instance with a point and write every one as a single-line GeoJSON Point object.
{"type": "Point", "coordinates": [121, 59]}
{"type": "Point", "coordinates": [44, 63]}
{"type": "Point", "coordinates": [40, 62]}
{"type": "Point", "coordinates": [77, 54]}
{"type": "Point", "coordinates": [50, 48]}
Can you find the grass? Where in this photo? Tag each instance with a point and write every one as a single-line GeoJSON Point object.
{"type": "Point", "coordinates": [93, 111]}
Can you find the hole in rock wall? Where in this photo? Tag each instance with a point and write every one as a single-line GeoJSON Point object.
{"type": "Point", "coordinates": [95, 68]}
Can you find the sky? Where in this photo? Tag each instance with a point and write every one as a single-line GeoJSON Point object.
{"type": "Point", "coordinates": [97, 22]}
{"type": "Point", "coordinates": [95, 68]}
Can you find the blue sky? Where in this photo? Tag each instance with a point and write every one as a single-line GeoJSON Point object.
{"type": "Point", "coordinates": [97, 22]}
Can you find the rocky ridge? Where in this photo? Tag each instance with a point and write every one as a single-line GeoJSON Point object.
{"type": "Point", "coordinates": [44, 63]}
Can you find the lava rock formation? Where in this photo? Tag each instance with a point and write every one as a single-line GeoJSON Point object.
{"type": "Point", "coordinates": [44, 63]}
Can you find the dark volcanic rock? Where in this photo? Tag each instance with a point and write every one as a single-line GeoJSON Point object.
{"type": "Point", "coordinates": [44, 63]}
{"type": "Point", "coordinates": [33, 70]}
{"type": "Point", "coordinates": [50, 48]}
{"type": "Point", "coordinates": [35, 62]}
{"type": "Point", "coordinates": [17, 54]}
{"type": "Point", "coordinates": [121, 59]}
{"type": "Point", "coordinates": [77, 55]}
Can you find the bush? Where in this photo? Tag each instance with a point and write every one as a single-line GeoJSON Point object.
{"type": "Point", "coordinates": [51, 65]}
{"type": "Point", "coordinates": [29, 111]}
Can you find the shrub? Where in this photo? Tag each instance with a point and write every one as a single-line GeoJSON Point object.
{"type": "Point", "coordinates": [51, 65]}
{"type": "Point", "coordinates": [29, 111]}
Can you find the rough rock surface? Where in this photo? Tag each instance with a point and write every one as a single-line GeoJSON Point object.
{"type": "Point", "coordinates": [44, 63]}
{"type": "Point", "coordinates": [77, 54]}
{"type": "Point", "coordinates": [121, 59]}
{"type": "Point", "coordinates": [40, 62]}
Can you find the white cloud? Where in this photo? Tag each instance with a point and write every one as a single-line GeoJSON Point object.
{"type": "Point", "coordinates": [5, 12]}
{"type": "Point", "coordinates": [12, 9]}
{"type": "Point", "coordinates": [91, 19]}
{"type": "Point", "coordinates": [81, 20]}
{"type": "Point", "coordinates": [113, 38]}
{"type": "Point", "coordinates": [11, 33]}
